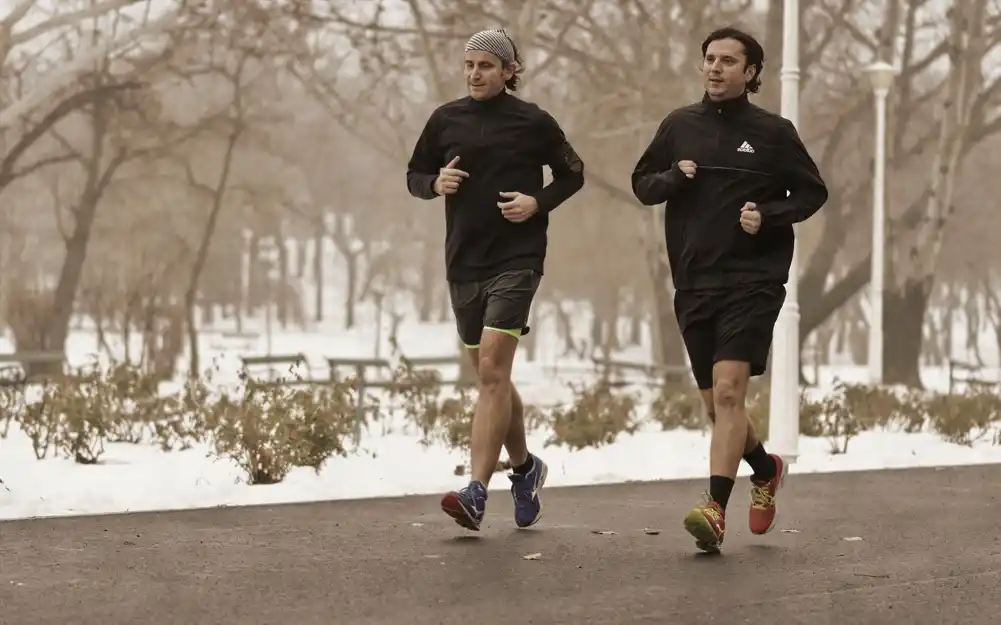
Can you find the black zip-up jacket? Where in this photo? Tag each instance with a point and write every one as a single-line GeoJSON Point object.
{"type": "Point", "coordinates": [742, 153]}
{"type": "Point", "coordinates": [502, 143]}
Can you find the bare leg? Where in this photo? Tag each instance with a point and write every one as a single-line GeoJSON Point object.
{"type": "Point", "coordinates": [515, 443]}
{"type": "Point", "coordinates": [492, 419]}
{"type": "Point", "coordinates": [731, 428]}
{"type": "Point", "coordinates": [752, 435]}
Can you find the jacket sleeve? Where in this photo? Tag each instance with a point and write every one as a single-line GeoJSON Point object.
{"type": "Point", "coordinates": [800, 176]}
{"type": "Point", "coordinates": [566, 165]}
{"type": "Point", "coordinates": [426, 160]}
{"type": "Point", "coordinates": [656, 177]}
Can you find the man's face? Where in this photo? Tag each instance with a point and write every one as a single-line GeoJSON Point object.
{"type": "Point", "coordinates": [485, 74]}
{"type": "Point", "coordinates": [725, 69]}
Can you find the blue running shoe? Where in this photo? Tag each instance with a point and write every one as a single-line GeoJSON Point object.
{"type": "Point", "coordinates": [467, 505]}
{"type": "Point", "coordinates": [525, 492]}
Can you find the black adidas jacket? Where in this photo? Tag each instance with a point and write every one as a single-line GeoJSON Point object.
{"type": "Point", "coordinates": [742, 153]}
{"type": "Point", "coordinates": [503, 144]}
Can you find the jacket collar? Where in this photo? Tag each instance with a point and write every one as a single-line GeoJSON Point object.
{"type": "Point", "coordinates": [725, 107]}
{"type": "Point", "coordinates": [492, 103]}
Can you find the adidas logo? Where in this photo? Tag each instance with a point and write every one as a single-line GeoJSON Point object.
{"type": "Point", "coordinates": [746, 147]}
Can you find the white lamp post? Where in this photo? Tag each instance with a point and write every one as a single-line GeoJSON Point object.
{"type": "Point", "coordinates": [783, 422]}
{"type": "Point", "coordinates": [881, 75]}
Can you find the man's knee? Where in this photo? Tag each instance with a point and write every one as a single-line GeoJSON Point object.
{"type": "Point", "coordinates": [729, 386]}
{"type": "Point", "coordinates": [496, 356]}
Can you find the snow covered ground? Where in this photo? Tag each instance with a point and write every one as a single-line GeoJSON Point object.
{"type": "Point", "coordinates": [139, 477]}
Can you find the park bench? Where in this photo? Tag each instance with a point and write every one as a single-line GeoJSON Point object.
{"type": "Point", "coordinates": [964, 373]}
{"type": "Point", "coordinates": [617, 371]}
{"type": "Point", "coordinates": [13, 365]}
{"type": "Point", "coordinates": [420, 363]}
{"type": "Point", "coordinates": [286, 361]}
{"type": "Point", "coordinates": [362, 382]}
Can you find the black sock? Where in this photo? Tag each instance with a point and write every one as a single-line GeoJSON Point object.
{"type": "Point", "coordinates": [525, 467]}
{"type": "Point", "coordinates": [761, 463]}
{"type": "Point", "coordinates": [719, 489]}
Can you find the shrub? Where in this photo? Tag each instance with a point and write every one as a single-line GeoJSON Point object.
{"type": "Point", "coordinates": [446, 421]}
{"type": "Point", "coordinates": [39, 420]}
{"type": "Point", "coordinates": [12, 401]}
{"type": "Point", "coordinates": [535, 417]}
{"type": "Point", "coordinates": [133, 401]}
{"type": "Point", "coordinates": [964, 419]}
{"type": "Point", "coordinates": [679, 405]}
{"type": "Point", "coordinates": [419, 394]}
{"type": "Point", "coordinates": [871, 406]}
{"type": "Point", "coordinates": [839, 423]}
{"type": "Point", "coordinates": [85, 413]}
{"type": "Point", "coordinates": [596, 417]}
{"type": "Point", "coordinates": [810, 415]}
{"type": "Point", "coordinates": [272, 427]}
{"type": "Point", "coordinates": [70, 416]}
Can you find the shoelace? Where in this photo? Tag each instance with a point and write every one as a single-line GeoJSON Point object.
{"type": "Point", "coordinates": [522, 490]}
{"type": "Point", "coordinates": [710, 507]}
{"type": "Point", "coordinates": [760, 497]}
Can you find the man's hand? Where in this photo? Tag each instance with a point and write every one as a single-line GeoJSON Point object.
{"type": "Point", "coordinates": [519, 208]}
{"type": "Point", "coordinates": [688, 168]}
{"type": "Point", "coordinates": [750, 218]}
{"type": "Point", "coordinates": [449, 178]}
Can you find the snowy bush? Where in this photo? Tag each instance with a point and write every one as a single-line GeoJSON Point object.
{"type": "Point", "coordinates": [71, 416]}
{"type": "Point", "coordinates": [419, 395]}
{"type": "Point", "coordinates": [444, 420]}
{"type": "Point", "coordinates": [271, 427]}
{"type": "Point", "coordinates": [965, 419]}
{"type": "Point", "coordinates": [133, 400]}
{"type": "Point", "coordinates": [596, 416]}
{"type": "Point", "coordinates": [11, 405]}
{"type": "Point", "coordinates": [679, 405]}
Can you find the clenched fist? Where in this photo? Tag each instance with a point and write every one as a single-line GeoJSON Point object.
{"type": "Point", "coordinates": [688, 168]}
{"type": "Point", "coordinates": [750, 218]}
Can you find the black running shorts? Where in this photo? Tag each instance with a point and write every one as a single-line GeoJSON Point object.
{"type": "Point", "coordinates": [733, 324]}
{"type": "Point", "coordinates": [500, 303]}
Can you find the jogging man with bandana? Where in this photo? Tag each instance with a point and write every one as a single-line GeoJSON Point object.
{"type": "Point", "coordinates": [485, 154]}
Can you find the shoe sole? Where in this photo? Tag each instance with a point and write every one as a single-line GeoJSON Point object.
{"type": "Point", "coordinates": [451, 506]}
{"type": "Point", "coordinates": [705, 538]}
{"type": "Point", "coordinates": [542, 482]}
{"type": "Point", "coordinates": [775, 519]}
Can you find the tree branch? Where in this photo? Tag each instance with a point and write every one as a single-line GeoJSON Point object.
{"type": "Point", "coordinates": [61, 110]}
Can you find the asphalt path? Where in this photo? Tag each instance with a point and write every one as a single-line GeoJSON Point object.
{"type": "Point", "coordinates": [906, 547]}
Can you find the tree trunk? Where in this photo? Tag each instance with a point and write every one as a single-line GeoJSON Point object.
{"type": "Point", "coordinates": [318, 273]}
{"type": "Point", "coordinates": [201, 257]}
{"type": "Point", "coordinates": [351, 265]}
{"type": "Point", "coordinates": [426, 285]}
{"type": "Point", "coordinates": [914, 259]}
{"type": "Point", "coordinates": [283, 281]}
{"type": "Point", "coordinates": [903, 323]}
{"type": "Point", "coordinates": [58, 320]}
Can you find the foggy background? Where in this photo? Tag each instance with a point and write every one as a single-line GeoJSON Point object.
{"type": "Point", "coordinates": [169, 166]}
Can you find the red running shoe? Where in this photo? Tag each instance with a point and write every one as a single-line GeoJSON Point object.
{"type": "Point", "coordinates": [763, 511]}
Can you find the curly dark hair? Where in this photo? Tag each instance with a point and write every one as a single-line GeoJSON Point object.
{"type": "Point", "coordinates": [519, 67]}
{"type": "Point", "coordinates": [752, 50]}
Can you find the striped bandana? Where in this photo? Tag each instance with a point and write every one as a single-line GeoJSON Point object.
{"type": "Point", "coordinates": [495, 42]}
